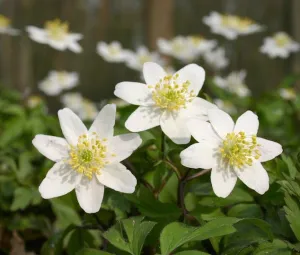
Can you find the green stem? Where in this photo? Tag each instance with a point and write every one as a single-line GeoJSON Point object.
{"type": "Point", "coordinates": [174, 168]}
{"type": "Point", "coordinates": [163, 145]}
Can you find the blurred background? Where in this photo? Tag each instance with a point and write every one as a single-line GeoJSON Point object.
{"type": "Point", "coordinates": [23, 62]}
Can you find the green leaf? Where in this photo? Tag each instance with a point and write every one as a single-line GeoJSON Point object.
{"type": "Point", "coordinates": [79, 238]}
{"type": "Point", "coordinates": [292, 211]}
{"type": "Point", "coordinates": [23, 197]}
{"type": "Point", "coordinates": [115, 236]}
{"type": "Point", "coordinates": [245, 211]}
{"type": "Point", "coordinates": [88, 251]}
{"type": "Point", "coordinates": [176, 234]}
{"type": "Point", "coordinates": [277, 247]}
{"type": "Point", "coordinates": [291, 166]}
{"type": "Point", "coordinates": [191, 253]}
{"type": "Point", "coordinates": [129, 225]}
{"type": "Point", "coordinates": [149, 206]}
{"type": "Point", "coordinates": [54, 245]}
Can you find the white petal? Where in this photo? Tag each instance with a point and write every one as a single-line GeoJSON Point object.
{"type": "Point", "coordinates": [223, 180]}
{"type": "Point", "coordinates": [203, 131]}
{"type": "Point", "coordinates": [71, 125]}
{"type": "Point", "coordinates": [221, 122]}
{"type": "Point", "coordinates": [175, 127]}
{"type": "Point", "coordinates": [194, 74]}
{"type": "Point", "coordinates": [143, 118]}
{"type": "Point", "coordinates": [117, 177]}
{"type": "Point", "coordinates": [248, 123]}
{"type": "Point", "coordinates": [104, 123]}
{"type": "Point", "coordinates": [75, 47]}
{"type": "Point", "coordinates": [268, 149]}
{"type": "Point", "coordinates": [198, 108]}
{"type": "Point", "coordinates": [37, 34]}
{"type": "Point", "coordinates": [54, 148]}
{"type": "Point", "coordinates": [123, 146]}
{"type": "Point", "coordinates": [90, 194]}
{"type": "Point", "coordinates": [153, 73]}
{"type": "Point", "coordinates": [60, 180]}
{"type": "Point", "coordinates": [134, 93]}
{"type": "Point", "coordinates": [198, 155]}
{"type": "Point", "coordinates": [58, 45]}
{"type": "Point", "coordinates": [255, 177]}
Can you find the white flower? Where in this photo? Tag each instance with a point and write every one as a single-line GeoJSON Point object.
{"type": "Point", "coordinates": [56, 34]}
{"type": "Point", "coordinates": [231, 150]}
{"type": "Point", "coordinates": [230, 26]}
{"type": "Point", "coordinates": [287, 93]}
{"type": "Point", "coordinates": [83, 107]}
{"type": "Point", "coordinates": [87, 160]}
{"type": "Point", "coordinates": [136, 60]}
{"type": "Point", "coordinates": [57, 81]}
{"type": "Point", "coordinates": [225, 105]}
{"type": "Point", "coordinates": [112, 52]}
{"type": "Point", "coordinates": [5, 26]}
{"type": "Point", "coordinates": [234, 82]}
{"type": "Point", "coordinates": [185, 49]}
{"type": "Point", "coordinates": [165, 100]}
{"type": "Point", "coordinates": [34, 101]}
{"type": "Point", "coordinates": [216, 59]}
{"type": "Point", "coordinates": [280, 45]}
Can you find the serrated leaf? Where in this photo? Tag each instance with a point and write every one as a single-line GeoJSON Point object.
{"type": "Point", "coordinates": [291, 166]}
{"type": "Point", "coordinates": [277, 247]}
{"type": "Point", "coordinates": [191, 253]}
{"type": "Point", "coordinates": [23, 197]}
{"type": "Point", "coordinates": [89, 251]}
{"type": "Point", "coordinates": [129, 225]}
{"type": "Point", "coordinates": [292, 211]}
{"type": "Point", "coordinates": [79, 238]}
{"type": "Point", "coordinates": [176, 234]}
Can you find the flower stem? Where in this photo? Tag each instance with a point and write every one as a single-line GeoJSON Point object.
{"type": "Point", "coordinates": [163, 145]}
{"type": "Point", "coordinates": [174, 168]}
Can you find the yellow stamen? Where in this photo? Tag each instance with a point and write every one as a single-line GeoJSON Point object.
{"type": "Point", "coordinates": [282, 39]}
{"type": "Point", "coordinates": [4, 22]}
{"type": "Point", "coordinates": [239, 150]}
{"type": "Point", "coordinates": [236, 22]}
{"type": "Point", "coordinates": [56, 29]}
{"type": "Point", "coordinates": [171, 95]}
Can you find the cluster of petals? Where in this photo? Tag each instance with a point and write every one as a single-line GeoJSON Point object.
{"type": "Point", "coordinates": [72, 159]}
{"type": "Point", "coordinates": [216, 59]}
{"type": "Point", "coordinates": [160, 86]}
{"type": "Point", "coordinates": [83, 107]}
{"type": "Point", "coordinates": [56, 34]}
{"type": "Point", "coordinates": [57, 81]}
{"type": "Point", "coordinates": [185, 48]}
{"type": "Point", "coordinates": [234, 83]}
{"type": "Point", "coordinates": [231, 150]}
{"type": "Point", "coordinates": [230, 26]}
{"type": "Point", "coordinates": [288, 93]}
{"type": "Point", "coordinates": [280, 45]}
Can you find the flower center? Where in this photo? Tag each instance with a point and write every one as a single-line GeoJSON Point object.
{"type": "Point", "coordinates": [171, 95]}
{"type": "Point", "coordinates": [238, 150]}
{"type": "Point", "coordinates": [89, 155]}
{"type": "Point", "coordinates": [195, 40]}
{"type": "Point", "coordinates": [282, 39]}
{"type": "Point", "coordinates": [235, 22]}
{"type": "Point", "coordinates": [4, 22]}
{"type": "Point", "coordinates": [114, 50]}
{"type": "Point", "coordinates": [56, 29]}
{"type": "Point", "coordinates": [61, 76]}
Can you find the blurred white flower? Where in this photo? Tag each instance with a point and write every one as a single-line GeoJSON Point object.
{"type": "Point", "coordinates": [56, 34]}
{"type": "Point", "coordinates": [187, 48]}
{"type": "Point", "coordinates": [34, 101]}
{"type": "Point", "coordinates": [225, 105]}
{"type": "Point", "coordinates": [230, 26]}
{"type": "Point", "coordinates": [234, 82]}
{"type": "Point", "coordinates": [57, 81]}
{"type": "Point", "coordinates": [83, 107]}
{"type": "Point", "coordinates": [280, 45]}
{"type": "Point", "coordinates": [136, 60]}
{"type": "Point", "coordinates": [287, 93]}
{"type": "Point", "coordinates": [216, 58]}
{"type": "Point", "coordinates": [5, 26]}
{"type": "Point", "coordinates": [112, 52]}
{"type": "Point", "coordinates": [232, 150]}
{"type": "Point", "coordinates": [165, 100]}
{"type": "Point", "coordinates": [87, 160]}
{"type": "Point", "coordinates": [118, 102]}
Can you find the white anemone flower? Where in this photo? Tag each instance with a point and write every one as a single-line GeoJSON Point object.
{"type": "Point", "coordinates": [230, 26]}
{"type": "Point", "coordinates": [216, 58]}
{"type": "Point", "coordinates": [165, 100]}
{"type": "Point", "coordinates": [280, 45]}
{"type": "Point", "coordinates": [234, 82]}
{"type": "Point", "coordinates": [57, 81]}
{"type": "Point", "coordinates": [5, 26]}
{"type": "Point", "coordinates": [136, 60]}
{"type": "Point", "coordinates": [287, 93]}
{"type": "Point", "coordinates": [185, 49]}
{"type": "Point", "coordinates": [87, 160]}
{"type": "Point", "coordinates": [225, 105]}
{"type": "Point", "coordinates": [231, 150]}
{"type": "Point", "coordinates": [112, 52]}
{"type": "Point", "coordinates": [56, 34]}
